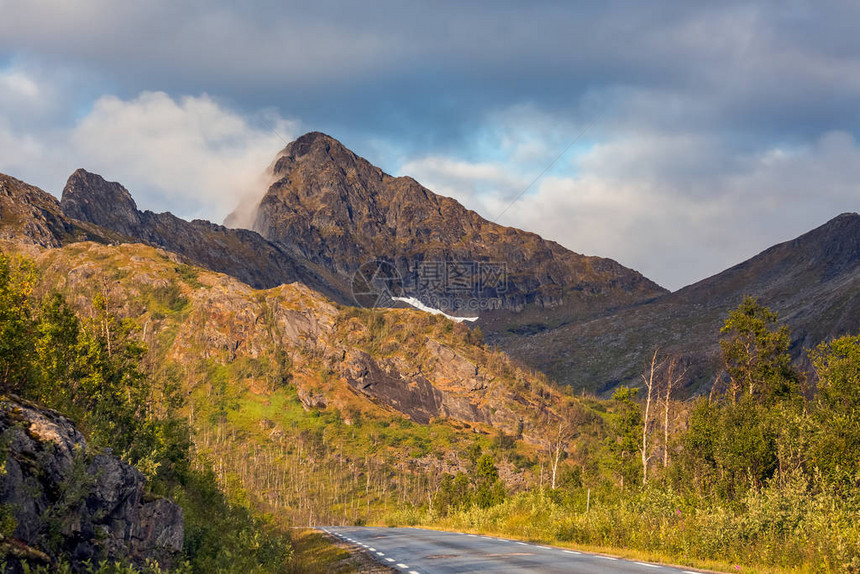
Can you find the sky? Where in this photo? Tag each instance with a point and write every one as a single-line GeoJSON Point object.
{"type": "Point", "coordinates": [678, 138]}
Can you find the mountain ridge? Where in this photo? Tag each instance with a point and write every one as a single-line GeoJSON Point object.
{"type": "Point", "coordinates": [811, 281]}
{"type": "Point", "coordinates": [237, 252]}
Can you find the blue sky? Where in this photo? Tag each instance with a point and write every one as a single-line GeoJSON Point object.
{"type": "Point", "coordinates": [702, 132]}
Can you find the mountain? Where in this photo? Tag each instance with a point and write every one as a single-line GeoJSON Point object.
{"type": "Point", "coordinates": [88, 197]}
{"type": "Point", "coordinates": [587, 322]}
{"type": "Point", "coordinates": [292, 396]}
{"type": "Point", "coordinates": [337, 210]}
{"type": "Point", "coordinates": [31, 217]}
{"type": "Point", "coordinates": [813, 282]}
{"type": "Point", "coordinates": [284, 383]}
{"type": "Point", "coordinates": [419, 376]}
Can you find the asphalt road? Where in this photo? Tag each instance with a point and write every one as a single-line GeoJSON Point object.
{"type": "Point", "coordinates": [420, 551]}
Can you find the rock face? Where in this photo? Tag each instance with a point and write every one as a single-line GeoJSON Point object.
{"type": "Point", "coordinates": [70, 502]}
{"type": "Point", "coordinates": [240, 253]}
{"type": "Point", "coordinates": [29, 215]}
{"type": "Point", "coordinates": [336, 209]}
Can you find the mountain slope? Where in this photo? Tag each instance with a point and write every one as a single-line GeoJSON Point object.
{"type": "Point", "coordinates": [336, 209]}
{"type": "Point", "coordinates": [307, 389]}
{"type": "Point", "coordinates": [813, 282]}
{"type": "Point", "coordinates": [242, 254]}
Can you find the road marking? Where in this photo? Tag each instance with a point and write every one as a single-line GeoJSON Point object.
{"type": "Point", "coordinates": [544, 547]}
{"type": "Point", "coordinates": [390, 559]}
{"type": "Point", "coordinates": [472, 535]}
{"type": "Point", "coordinates": [690, 572]}
{"type": "Point", "coordinates": [523, 543]}
{"type": "Point", "coordinates": [606, 557]}
{"type": "Point", "coordinates": [380, 554]}
{"type": "Point", "coordinates": [646, 564]}
{"type": "Point", "coordinates": [372, 549]}
{"type": "Point", "coordinates": [402, 565]}
{"type": "Point", "coordinates": [571, 552]}
{"type": "Point", "coordinates": [413, 572]}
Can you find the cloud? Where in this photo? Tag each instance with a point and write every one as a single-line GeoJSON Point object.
{"type": "Point", "coordinates": [423, 73]}
{"type": "Point", "coordinates": [677, 208]}
{"type": "Point", "coordinates": [191, 155]}
{"type": "Point", "coordinates": [469, 183]}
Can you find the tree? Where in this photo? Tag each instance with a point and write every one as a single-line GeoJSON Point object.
{"type": "Point", "coordinates": [837, 366]}
{"type": "Point", "coordinates": [489, 490]}
{"type": "Point", "coordinates": [755, 354]}
{"type": "Point", "coordinates": [837, 438]}
{"type": "Point", "coordinates": [56, 348]}
{"type": "Point", "coordinates": [748, 434]}
{"type": "Point", "coordinates": [565, 427]}
{"type": "Point", "coordinates": [624, 443]}
{"type": "Point", "coordinates": [16, 323]}
{"type": "Point", "coordinates": [650, 384]}
{"type": "Point", "coordinates": [673, 376]}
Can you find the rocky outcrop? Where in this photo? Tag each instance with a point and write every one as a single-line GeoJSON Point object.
{"type": "Point", "coordinates": [243, 254]}
{"type": "Point", "coordinates": [69, 502]}
{"type": "Point", "coordinates": [30, 216]}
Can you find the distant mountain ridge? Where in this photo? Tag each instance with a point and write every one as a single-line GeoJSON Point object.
{"type": "Point", "coordinates": [812, 281]}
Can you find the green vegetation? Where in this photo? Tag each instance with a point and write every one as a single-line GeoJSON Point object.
{"type": "Point", "coordinates": [90, 369]}
{"type": "Point", "coordinates": [762, 473]}
{"type": "Point", "coordinates": [759, 474]}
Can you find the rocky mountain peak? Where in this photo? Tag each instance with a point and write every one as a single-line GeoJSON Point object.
{"type": "Point", "coordinates": [89, 197]}
{"type": "Point", "coordinates": [317, 143]}
{"type": "Point", "coordinates": [340, 211]}
{"type": "Point", "coordinates": [33, 217]}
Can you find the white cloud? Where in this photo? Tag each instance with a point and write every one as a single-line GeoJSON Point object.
{"type": "Point", "coordinates": [189, 152]}
{"type": "Point", "coordinates": [469, 183]}
{"type": "Point", "coordinates": [190, 155]}
{"type": "Point", "coordinates": [17, 84]}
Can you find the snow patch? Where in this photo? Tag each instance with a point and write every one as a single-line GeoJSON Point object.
{"type": "Point", "coordinates": [422, 307]}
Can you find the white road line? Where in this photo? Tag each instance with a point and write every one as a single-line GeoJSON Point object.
{"type": "Point", "coordinates": [380, 554]}
{"type": "Point", "coordinates": [522, 543]}
{"type": "Point", "coordinates": [606, 557]}
{"type": "Point", "coordinates": [372, 549]}
{"type": "Point", "coordinates": [646, 564]}
{"type": "Point", "coordinates": [390, 559]}
{"type": "Point", "coordinates": [472, 535]}
{"type": "Point", "coordinates": [544, 547]}
{"type": "Point", "coordinates": [690, 572]}
{"type": "Point", "coordinates": [571, 552]}
{"type": "Point", "coordinates": [402, 565]}
{"type": "Point", "coordinates": [413, 572]}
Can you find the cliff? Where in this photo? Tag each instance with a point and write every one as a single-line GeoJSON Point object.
{"type": "Point", "coordinates": [69, 501]}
